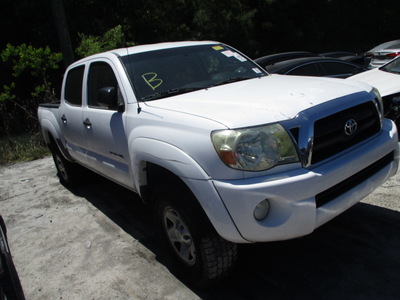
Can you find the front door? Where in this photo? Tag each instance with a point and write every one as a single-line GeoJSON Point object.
{"type": "Point", "coordinates": [105, 126]}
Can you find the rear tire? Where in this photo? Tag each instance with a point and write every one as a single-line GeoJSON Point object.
{"type": "Point", "coordinates": [203, 257]}
{"type": "Point", "coordinates": [69, 173]}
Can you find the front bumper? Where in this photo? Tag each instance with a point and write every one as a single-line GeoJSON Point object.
{"type": "Point", "coordinates": [294, 210]}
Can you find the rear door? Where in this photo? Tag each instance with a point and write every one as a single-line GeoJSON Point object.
{"type": "Point", "coordinates": [70, 114]}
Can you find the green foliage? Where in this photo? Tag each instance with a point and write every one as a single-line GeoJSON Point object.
{"type": "Point", "coordinates": [26, 80]}
{"type": "Point", "coordinates": [37, 60]}
{"type": "Point", "coordinates": [22, 148]}
{"type": "Point", "coordinates": [175, 20]}
{"type": "Point", "coordinates": [220, 20]}
{"type": "Point", "coordinates": [112, 39]}
{"type": "Point", "coordinates": [7, 94]}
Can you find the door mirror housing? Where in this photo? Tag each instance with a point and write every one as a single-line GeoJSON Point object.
{"type": "Point", "coordinates": [108, 97]}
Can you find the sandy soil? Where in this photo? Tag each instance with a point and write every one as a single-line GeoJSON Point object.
{"type": "Point", "coordinates": [98, 242]}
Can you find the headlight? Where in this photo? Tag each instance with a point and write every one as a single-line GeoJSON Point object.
{"type": "Point", "coordinates": [255, 148]}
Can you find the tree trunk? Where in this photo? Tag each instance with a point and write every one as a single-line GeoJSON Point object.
{"type": "Point", "coordinates": [62, 31]}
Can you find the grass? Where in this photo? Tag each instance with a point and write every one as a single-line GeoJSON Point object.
{"type": "Point", "coordinates": [26, 147]}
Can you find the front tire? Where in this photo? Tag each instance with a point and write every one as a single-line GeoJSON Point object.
{"type": "Point", "coordinates": [203, 257]}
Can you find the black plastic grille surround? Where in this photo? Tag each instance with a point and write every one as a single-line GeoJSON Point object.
{"type": "Point", "coordinates": [330, 137]}
{"type": "Point", "coordinates": [347, 184]}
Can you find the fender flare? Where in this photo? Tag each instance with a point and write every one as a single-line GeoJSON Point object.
{"type": "Point", "coordinates": [175, 160]}
{"type": "Point", "coordinates": [167, 156]}
{"type": "Point", "coordinates": [49, 132]}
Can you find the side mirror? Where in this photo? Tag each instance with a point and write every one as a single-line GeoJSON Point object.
{"type": "Point", "coordinates": [108, 97]}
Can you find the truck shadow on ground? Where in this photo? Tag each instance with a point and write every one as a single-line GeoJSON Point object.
{"type": "Point", "coordinates": [355, 256]}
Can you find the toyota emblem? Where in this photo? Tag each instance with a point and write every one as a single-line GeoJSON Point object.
{"type": "Point", "coordinates": [350, 127]}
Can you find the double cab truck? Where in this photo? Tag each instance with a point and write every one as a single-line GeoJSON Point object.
{"type": "Point", "coordinates": [224, 152]}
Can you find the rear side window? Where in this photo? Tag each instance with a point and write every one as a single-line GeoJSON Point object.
{"type": "Point", "coordinates": [332, 68]}
{"type": "Point", "coordinates": [307, 70]}
{"type": "Point", "coordinates": [73, 86]}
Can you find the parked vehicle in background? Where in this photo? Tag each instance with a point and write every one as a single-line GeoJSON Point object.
{"type": "Point", "coordinates": [356, 59]}
{"type": "Point", "coordinates": [383, 53]}
{"type": "Point", "coordinates": [387, 80]}
{"type": "Point", "coordinates": [10, 286]}
{"type": "Point", "coordinates": [337, 54]}
{"type": "Point", "coordinates": [222, 151]}
{"type": "Point", "coordinates": [271, 59]}
{"type": "Point", "coordinates": [315, 66]}
{"type": "Point", "coordinates": [346, 56]}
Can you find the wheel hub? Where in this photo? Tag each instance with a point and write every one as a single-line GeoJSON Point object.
{"type": "Point", "coordinates": [179, 236]}
{"type": "Point", "coordinates": [61, 168]}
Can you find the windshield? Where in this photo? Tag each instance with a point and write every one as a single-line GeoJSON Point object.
{"type": "Point", "coordinates": [163, 73]}
{"type": "Point", "coordinates": [392, 67]}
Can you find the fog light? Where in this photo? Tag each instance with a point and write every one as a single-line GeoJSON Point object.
{"type": "Point", "coordinates": [261, 210]}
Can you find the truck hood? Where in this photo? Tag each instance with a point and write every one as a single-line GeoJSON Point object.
{"type": "Point", "coordinates": [259, 101]}
{"type": "Point", "coordinates": [387, 83]}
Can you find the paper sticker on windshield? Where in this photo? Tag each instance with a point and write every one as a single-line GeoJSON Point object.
{"type": "Point", "coordinates": [152, 80]}
{"type": "Point", "coordinates": [218, 47]}
{"type": "Point", "coordinates": [257, 70]}
{"type": "Point", "coordinates": [229, 53]}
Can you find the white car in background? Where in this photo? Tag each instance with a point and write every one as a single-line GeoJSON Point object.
{"type": "Point", "coordinates": [387, 80]}
{"type": "Point", "coordinates": [383, 53]}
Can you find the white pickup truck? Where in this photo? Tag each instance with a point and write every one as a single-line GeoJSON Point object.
{"type": "Point", "coordinates": [223, 151]}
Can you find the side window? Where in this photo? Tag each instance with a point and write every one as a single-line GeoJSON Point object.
{"type": "Point", "coordinates": [306, 70]}
{"type": "Point", "coordinates": [332, 68]}
{"type": "Point", "coordinates": [73, 86]}
{"type": "Point", "coordinates": [103, 91]}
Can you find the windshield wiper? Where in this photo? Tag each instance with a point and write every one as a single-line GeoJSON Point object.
{"type": "Point", "coordinates": [232, 79]}
{"type": "Point", "coordinates": [171, 92]}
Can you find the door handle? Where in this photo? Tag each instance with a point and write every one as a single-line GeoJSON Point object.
{"type": "Point", "coordinates": [64, 119]}
{"type": "Point", "coordinates": [87, 123]}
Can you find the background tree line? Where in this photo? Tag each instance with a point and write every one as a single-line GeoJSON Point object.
{"type": "Point", "coordinates": [39, 38]}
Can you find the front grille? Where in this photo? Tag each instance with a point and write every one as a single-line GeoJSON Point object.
{"type": "Point", "coordinates": [329, 134]}
{"type": "Point", "coordinates": [356, 179]}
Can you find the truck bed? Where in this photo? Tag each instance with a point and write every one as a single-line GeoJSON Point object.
{"type": "Point", "coordinates": [54, 104]}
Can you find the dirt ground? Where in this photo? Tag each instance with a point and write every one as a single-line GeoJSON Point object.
{"type": "Point", "coordinates": [98, 242]}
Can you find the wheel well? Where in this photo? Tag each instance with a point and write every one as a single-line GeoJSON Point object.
{"type": "Point", "coordinates": [51, 141]}
{"type": "Point", "coordinates": [54, 144]}
{"type": "Point", "coordinates": [158, 177]}
{"type": "Point", "coordinates": [155, 175]}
